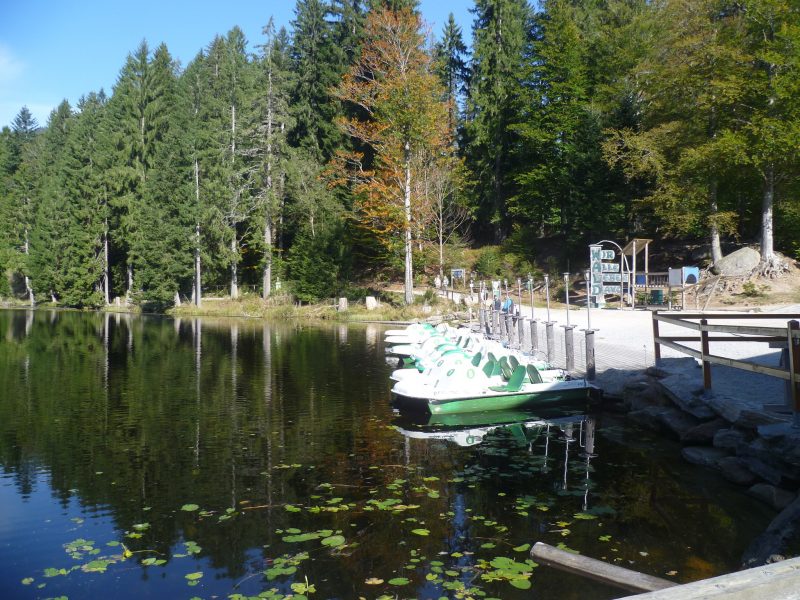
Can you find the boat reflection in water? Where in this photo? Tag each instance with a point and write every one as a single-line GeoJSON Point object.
{"type": "Point", "coordinates": [561, 439]}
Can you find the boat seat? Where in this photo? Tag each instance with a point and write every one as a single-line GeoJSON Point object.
{"type": "Point", "coordinates": [491, 368]}
{"type": "Point", "coordinates": [512, 360]}
{"type": "Point", "coordinates": [515, 382]}
{"type": "Point", "coordinates": [476, 360]}
{"type": "Point", "coordinates": [505, 368]}
{"type": "Point", "coordinates": [533, 375]}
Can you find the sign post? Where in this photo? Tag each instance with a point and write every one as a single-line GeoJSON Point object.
{"type": "Point", "coordinates": [606, 277]}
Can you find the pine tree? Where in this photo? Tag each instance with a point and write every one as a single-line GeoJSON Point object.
{"type": "Point", "coordinates": [318, 63]}
{"type": "Point", "coordinates": [24, 166]}
{"type": "Point", "coordinates": [499, 46]}
{"type": "Point", "coordinates": [274, 84]}
{"type": "Point", "coordinates": [230, 175]}
{"type": "Point", "coordinates": [452, 69]}
{"type": "Point", "coordinates": [164, 247]}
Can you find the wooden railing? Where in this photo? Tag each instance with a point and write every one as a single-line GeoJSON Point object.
{"type": "Point", "coordinates": [786, 337]}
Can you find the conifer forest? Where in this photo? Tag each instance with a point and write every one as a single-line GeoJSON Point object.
{"type": "Point", "coordinates": [359, 145]}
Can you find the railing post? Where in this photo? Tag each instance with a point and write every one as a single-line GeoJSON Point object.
{"type": "Point", "coordinates": [657, 346]}
{"type": "Point", "coordinates": [794, 370]}
{"type": "Point", "coordinates": [704, 351]}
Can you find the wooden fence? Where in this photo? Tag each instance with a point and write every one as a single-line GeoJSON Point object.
{"type": "Point", "coordinates": [786, 337]}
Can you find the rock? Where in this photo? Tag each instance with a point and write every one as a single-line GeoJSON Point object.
{"type": "Point", "coordinates": [774, 540]}
{"type": "Point", "coordinates": [426, 309]}
{"type": "Point", "coordinates": [641, 394]}
{"type": "Point", "coordinates": [372, 303]}
{"type": "Point", "coordinates": [737, 264]}
{"type": "Point", "coordinates": [657, 372]}
{"type": "Point", "coordinates": [729, 439]}
{"type": "Point", "coordinates": [648, 417]}
{"type": "Point", "coordinates": [704, 433]}
{"type": "Point", "coordinates": [750, 419]}
{"type": "Point", "coordinates": [678, 422]}
{"type": "Point", "coordinates": [685, 398]}
{"type": "Point", "coordinates": [734, 470]}
{"type": "Point", "coordinates": [762, 469]}
{"type": "Point", "coordinates": [613, 382]}
{"type": "Point", "coordinates": [776, 497]}
{"type": "Point", "coordinates": [705, 457]}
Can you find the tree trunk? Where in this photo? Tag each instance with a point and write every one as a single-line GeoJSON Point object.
{"type": "Point", "coordinates": [441, 247]}
{"type": "Point", "coordinates": [267, 278]}
{"type": "Point", "coordinates": [106, 273]}
{"type": "Point", "coordinates": [129, 291]}
{"type": "Point", "coordinates": [234, 269]}
{"type": "Point", "coordinates": [28, 286]}
{"type": "Point", "coordinates": [266, 285]}
{"type": "Point", "coordinates": [767, 200]}
{"type": "Point", "coordinates": [716, 245]}
{"type": "Point", "coordinates": [198, 288]}
{"type": "Point", "coordinates": [409, 274]}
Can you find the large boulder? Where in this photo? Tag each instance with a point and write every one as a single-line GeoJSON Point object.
{"type": "Point", "coordinates": [738, 264]}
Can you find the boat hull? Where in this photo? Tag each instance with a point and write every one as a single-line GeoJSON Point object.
{"type": "Point", "coordinates": [573, 393]}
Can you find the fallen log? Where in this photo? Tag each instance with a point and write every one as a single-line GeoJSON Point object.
{"type": "Point", "coordinates": [626, 579]}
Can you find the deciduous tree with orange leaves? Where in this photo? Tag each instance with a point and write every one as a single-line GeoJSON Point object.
{"type": "Point", "coordinates": [398, 100]}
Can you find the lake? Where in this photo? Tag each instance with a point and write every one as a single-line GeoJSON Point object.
{"type": "Point", "coordinates": [146, 457]}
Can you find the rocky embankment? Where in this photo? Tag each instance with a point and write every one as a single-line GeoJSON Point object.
{"type": "Point", "coordinates": [753, 448]}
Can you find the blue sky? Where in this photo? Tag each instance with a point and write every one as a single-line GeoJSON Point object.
{"type": "Point", "coordinates": [51, 50]}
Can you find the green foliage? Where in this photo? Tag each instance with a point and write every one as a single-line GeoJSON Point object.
{"type": "Point", "coordinates": [751, 290]}
{"type": "Point", "coordinates": [489, 263]}
{"type": "Point", "coordinates": [574, 121]}
{"type": "Point", "coordinates": [312, 270]}
{"type": "Point", "coordinates": [500, 42]}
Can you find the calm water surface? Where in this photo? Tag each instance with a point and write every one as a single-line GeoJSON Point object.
{"type": "Point", "coordinates": [158, 458]}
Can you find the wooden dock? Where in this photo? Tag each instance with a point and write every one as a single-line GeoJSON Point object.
{"type": "Point", "coordinates": [776, 581]}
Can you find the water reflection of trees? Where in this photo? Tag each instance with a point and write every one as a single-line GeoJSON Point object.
{"type": "Point", "coordinates": [128, 413]}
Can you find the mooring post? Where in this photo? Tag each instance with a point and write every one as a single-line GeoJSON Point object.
{"type": "Point", "coordinates": [520, 329]}
{"type": "Point", "coordinates": [569, 347]}
{"type": "Point", "coordinates": [495, 322]}
{"type": "Point", "coordinates": [549, 324]}
{"type": "Point", "coordinates": [551, 344]}
{"type": "Point", "coordinates": [591, 365]}
{"type": "Point", "coordinates": [534, 335]}
{"type": "Point", "coordinates": [510, 328]}
{"type": "Point", "coordinates": [794, 370]}
{"type": "Point", "coordinates": [704, 351]}
{"type": "Point", "coordinates": [656, 345]}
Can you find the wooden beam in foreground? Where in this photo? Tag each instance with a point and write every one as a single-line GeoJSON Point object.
{"type": "Point", "coordinates": [597, 570]}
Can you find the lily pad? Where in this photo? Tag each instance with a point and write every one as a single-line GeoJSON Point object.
{"type": "Point", "coordinates": [333, 541]}
{"type": "Point", "coordinates": [422, 532]}
{"type": "Point", "coordinates": [190, 507]}
{"type": "Point", "coordinates": [399, 581]}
